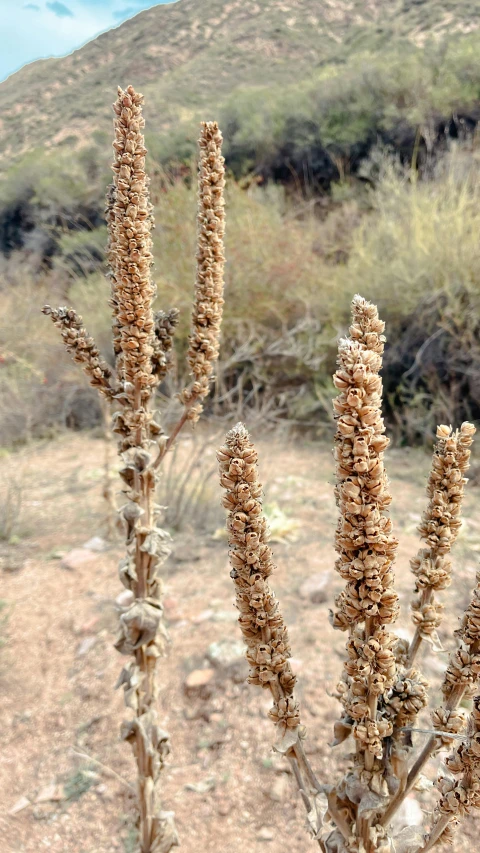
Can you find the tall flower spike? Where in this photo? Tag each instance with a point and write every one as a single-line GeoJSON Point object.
{"type": "Point", "coordinates": [439, 530]}
{"type": "Point", "coordinates": [364, 539]}
{"type": "Point", "coordinates": [208, 307]}
{"type": "Point", "coordinates": [260, 619]}
{"type": "Point", "coordinates": [261, 622]}
{"type": "Point", "coordinates": [143, 351]}
{"type": "Point", "coordinates": [83, 348]}
{"type": "Point", "coordinates": [130, 250]}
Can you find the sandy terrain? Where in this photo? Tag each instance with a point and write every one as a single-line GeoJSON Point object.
{"type": "Point", "coordinates": [58, 708]}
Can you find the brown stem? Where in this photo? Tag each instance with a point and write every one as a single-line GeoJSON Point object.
{"type": "Point", "coordinates": [435, 834]}
{"type": "Point", "coordinates": [303, 794]}
{"type": "Point", "coordinates": [427, 595]}
{"type": "Point", "coordinates": [453, 701]}
{"type": "Point", "coordinates": [338, 818]}
{"type": "Point", "coordinates": [174, 433]}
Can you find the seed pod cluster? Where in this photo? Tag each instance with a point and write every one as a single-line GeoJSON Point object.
{"type": "Point", "coordinates": [130, 250]}
{"type": "Point", "coordinates": [364, 539]}
{"type": "Point", "coordinates": [461, 795]}
{"type": "Point", "coordinates": [165, 324]}
{"type": "Point", "coordinates": [463, 671]}
{"type": "Point", "coordinates": [407, 697]}
{"type": "Point", "coordinates": [260, 619]}
{"type": "Point", "coordinates": [439, 528]}
{"type": "Point", "coordinates": [208, 305]}
{"type": "Point", "coordinates": [83, 348]}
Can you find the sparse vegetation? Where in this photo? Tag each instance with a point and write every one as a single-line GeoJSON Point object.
{"type": "Point", "coordinates": [381, 689]}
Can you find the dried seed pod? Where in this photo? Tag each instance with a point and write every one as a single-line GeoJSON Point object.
{"type": "Point", "coordinates": [165, 325]}
{"type": "Point", "coordinates": [208, 306]}
{"type": "Point", "coordinates": [83, 348]}
{"type": "Point", "coordinates": [439, 529]}
{"type": "Point", "coordinates": [461, 796]}
{"type": "Point", "coordinates": [130, 256]}
{"type": "Point", "coordinates": [260, 619]}
{"type": "Point", "coordinates": [364, 540]}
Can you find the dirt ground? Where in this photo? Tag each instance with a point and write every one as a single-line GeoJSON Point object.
{"type": "Point", "coordinates": [63, 770]}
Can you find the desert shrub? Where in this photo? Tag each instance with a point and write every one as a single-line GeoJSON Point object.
{"type": "Point", "coordinates": [417, 253]}
{"type": "Point", "coordinates": [409, 244]}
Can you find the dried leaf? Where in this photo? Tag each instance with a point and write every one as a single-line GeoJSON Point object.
{"type": "Point", "coordinates": [131, 511]}
{"type": "Point", "coordinates": [285, 743]}
{"type": "Point", "coordinates": [154, 543]}
{"type": "Point", "coordinates": [139, 625]}
{"type": "Point", "coordinates": [434, 641]}
{"type": "Point", "coordinates": [409, 839]}
{"type": "Point", "coordinates": [131, 678]}
{"type": "Point", "coordinates": [341, 731]}
{"type": "Point", "coordinates": [335, 843]}
{"type": "Point", "coordinates": [371, 803]}
{"type": "Point", "coordinates": [127, 572]}
{"type": "Point", "coordinates": [164, 833]}
{"type": "Point", "coordinates": [316, 815]}
{"type": "Point", "coordinates": [155, 739]}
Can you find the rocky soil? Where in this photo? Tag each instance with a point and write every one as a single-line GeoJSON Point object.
{"type": "Point", "coordinates": [66, 780]}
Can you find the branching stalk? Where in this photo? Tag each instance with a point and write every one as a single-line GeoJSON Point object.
{"type": "Point", "coordinates": [142, 344]}
{"type": "Point", "coordinates": [381, 692]}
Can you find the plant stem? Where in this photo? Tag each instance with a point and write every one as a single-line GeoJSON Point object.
{"type": "Point", "coordinates": [435, 834]}
{"type": "Point", "coordinates": [427, 595]}
{"type": "Point", "coordinates": [453, 702]}
{"type": "Point", "coordinates": [174, 433]}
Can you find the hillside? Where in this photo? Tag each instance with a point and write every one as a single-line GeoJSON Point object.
{"type": "Point", "coordinates": [191, 56]}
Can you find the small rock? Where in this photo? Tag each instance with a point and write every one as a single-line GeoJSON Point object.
{"type": "Point", "coordinates": [204, 616]}
{"type": "Point", "coordinates": [85, 646]}
{"type": "Point", "coordinates": [104, 792]}
{"type": "Point", "coordinates": [202, 787]}
{"type": "Point", "coordinates": [96, 543]}
{"type": "Point", "coordinates": [21, 804]}
{"type": "Point", "coordinates": [77, 559]}
{"type": "Point", "coordinates": [51, 793]}
{"type": "Point", "coordinates": [185, 554]}
{"type": "Point", "coordinates": [12, 563]}
{"type": "Point", "coordinates": [199, 678]}
{"type": "Point", "coordinates": [315, 588]}
{"type": "Point", "coordinates": [57, 554]}
{"type": "Point", "coordinates": [279, 788]}
{"type": "Point", "coordinates": [265, 834]}
{"type": "Point", "coordinates": [224, 653]}
{"type": "Point", "coordinates": [125, 598]}
{"type": "Point", "coordinates": [90, 625]}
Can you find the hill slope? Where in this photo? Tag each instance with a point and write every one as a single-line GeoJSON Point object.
{"type": "Point", "coordinates": [188, 57]}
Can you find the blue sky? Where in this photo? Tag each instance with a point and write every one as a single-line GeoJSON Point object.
{"type": "Point", "coordinates": [34, 29]}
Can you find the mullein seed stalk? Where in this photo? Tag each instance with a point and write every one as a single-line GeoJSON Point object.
{"type": "Point", "coordinates": [142, 347]}
{"type": "Point", "coordinates": [381, 690]}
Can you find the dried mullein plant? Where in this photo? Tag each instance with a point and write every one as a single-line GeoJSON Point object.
{"type": "Point", "coordinates": [142, 346]}
{"type": "Point", "coordinates": [382, 689]}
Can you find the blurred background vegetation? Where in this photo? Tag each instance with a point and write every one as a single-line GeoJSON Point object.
{"type": "Point", "coordinates": [353, 162]}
